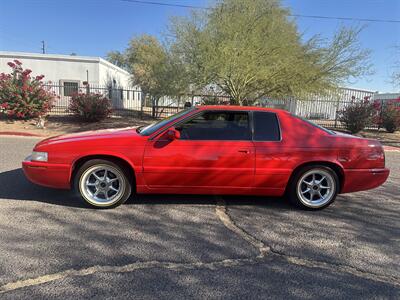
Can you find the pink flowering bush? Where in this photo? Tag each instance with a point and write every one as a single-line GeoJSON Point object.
{"type": "Point", "coordinates": [388, 114]}
{"type": "Point", "coordinates": [91, 107]}
{"type": "Point", "coordinates": [357, 115]}
{"type": "Point", "coordinates": [23, 96]}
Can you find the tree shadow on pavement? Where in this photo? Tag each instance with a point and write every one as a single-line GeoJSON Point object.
{"type": "Point", "coordinates": [43, 239]}
{"type": "Point", "coordinates": [19, 188]}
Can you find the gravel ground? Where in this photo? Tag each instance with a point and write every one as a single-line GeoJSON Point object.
{"type": "Point", "coordinates": [179, 247]}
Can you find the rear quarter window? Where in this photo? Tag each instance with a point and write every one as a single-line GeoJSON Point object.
{"type": "Point", "coordinates": [266, 126]}
{"type": "Point", "coordinates": [313, 124]}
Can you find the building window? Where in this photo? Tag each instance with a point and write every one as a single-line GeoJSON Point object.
{"type": "Point", "coordinates": [70, 88]}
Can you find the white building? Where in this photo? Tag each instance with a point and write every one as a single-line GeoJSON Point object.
{"type": "Point", "coordinates": [386, 96]}
{"type": "Point", "coordinates": [68, 73]}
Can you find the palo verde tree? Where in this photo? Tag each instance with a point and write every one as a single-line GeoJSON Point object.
{"type": "Point", "coordinates": [252, 49]}
{"type": "Point", "coordinates": [117, 58]}
{"type": "Point", "coordinates": [154, 69]}
{"type": "Point", "coordinates": [396, 72]}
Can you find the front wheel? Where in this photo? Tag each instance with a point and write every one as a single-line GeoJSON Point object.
{"type": "Point", "coordinates": [102, 183]}
{"type": "Point", "coordinates": [314, 187]}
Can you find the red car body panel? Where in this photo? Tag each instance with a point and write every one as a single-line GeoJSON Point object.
{"type": "Point", "coordinates": [182, 166]}
{"type": "Point", "coordinates": [50, 175]}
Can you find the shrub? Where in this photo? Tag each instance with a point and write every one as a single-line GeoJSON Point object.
{"type": "Point", "coordinates": [23, 96]}
{"type": "Point", "coordinates": [387, 114]}
{"type": "Point", "coordinates": [215, 100]}
{"type": "Point", "coordinates": [391, 116]}
{"type": "Point", "coordinates": [91, 107]}
{"type": "Point", "coordinates": [357, 116]}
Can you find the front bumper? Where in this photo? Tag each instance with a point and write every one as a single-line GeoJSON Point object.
{"type": "Point", "coordinates": [47, 174]}
{"type": "Point", "coordinates": [363, 179]}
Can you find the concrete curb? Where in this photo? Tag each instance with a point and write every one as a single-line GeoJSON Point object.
{"type": "Point", "coordinates": [391, 149]}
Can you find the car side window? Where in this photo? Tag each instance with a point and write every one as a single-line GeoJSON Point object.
{"type": "Point", "coordinates": [266, 126]}
{"type": "Point", "coordinates": [217, 125]}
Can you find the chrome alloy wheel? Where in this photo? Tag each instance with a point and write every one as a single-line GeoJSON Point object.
{"type": "Point", "coordinates": [102, 185]}
{"type": "Point", "coordinates": [316, 188]}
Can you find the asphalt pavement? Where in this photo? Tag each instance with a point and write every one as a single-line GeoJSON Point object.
{"type": "Point", "coordinates": [202, 247]}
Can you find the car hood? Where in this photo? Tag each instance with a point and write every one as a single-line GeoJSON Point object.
{"type": "Point", "coordinates": [91, 135]}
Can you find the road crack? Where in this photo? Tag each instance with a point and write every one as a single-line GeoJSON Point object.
{"type": "Point", "coordinates": [265, 251]}
{"type": "Point", "coordinates": [222, 212]}
{"type": "Point", "coordinates": [226, 263]}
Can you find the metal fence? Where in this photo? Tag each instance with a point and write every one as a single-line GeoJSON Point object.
{"type": "Point", "coordinates": [128, 102]}
{"type": "Point", "coordinates": [124, 101]}
{"type": "Point", "coordinates": [321, 109]}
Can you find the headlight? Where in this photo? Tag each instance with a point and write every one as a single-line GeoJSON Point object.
{"type": "Point", "coordinates": [39, 156]}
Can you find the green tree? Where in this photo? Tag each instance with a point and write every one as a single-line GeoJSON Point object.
{"type": "Point", "coordinates": [396, 78]}
{"type": "Point", "coordinates": [396, 72]}
{"type": "Point", "coordinates": [117, 58]}
{"type": "Point", "coordinates": [251, 49]}
{"type": "Point", "coordinates": [154, 69]}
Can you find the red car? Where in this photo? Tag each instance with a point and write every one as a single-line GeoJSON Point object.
{"type": "Point", "coordinates": [211, 150]}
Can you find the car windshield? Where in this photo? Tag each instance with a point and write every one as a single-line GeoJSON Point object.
{"type": "Point", "coordinates": [149, 129]}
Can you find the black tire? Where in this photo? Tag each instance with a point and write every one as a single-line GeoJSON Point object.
{"type": "Point", "coordinates": [298, 187]}
{"type": "Point", "coordinates": [123, 183]}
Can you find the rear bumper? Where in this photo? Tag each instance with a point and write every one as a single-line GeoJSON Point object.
{"type": "Point", "coordinates": [47, 174]}
{"type": "Point", "coordinates": [363, 179]}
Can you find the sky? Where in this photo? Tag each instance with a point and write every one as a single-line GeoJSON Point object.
{"type": "Point", "coordinates": [94, 27]}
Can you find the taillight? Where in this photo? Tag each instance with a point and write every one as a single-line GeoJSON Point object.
{"type": "Point", "coordinates": [377, 155]}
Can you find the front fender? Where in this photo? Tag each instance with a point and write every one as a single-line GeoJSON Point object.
{"type": "Point", "coordinates": [100, 154]}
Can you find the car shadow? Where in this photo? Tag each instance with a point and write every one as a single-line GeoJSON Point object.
{"type": "Point", "coordinates": [17, 187]}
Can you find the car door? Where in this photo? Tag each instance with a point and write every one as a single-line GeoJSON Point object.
{"type": "Point", "coordinates": [273, 160]}
{"type": "Point", "coordinates": [214, 150]}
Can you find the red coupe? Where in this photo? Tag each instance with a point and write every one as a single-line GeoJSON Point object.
{"type": "Point", "coordinates": [211, 150]}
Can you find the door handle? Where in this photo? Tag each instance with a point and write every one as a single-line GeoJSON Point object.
{"type": "Point", "coordinates": [244, 151]}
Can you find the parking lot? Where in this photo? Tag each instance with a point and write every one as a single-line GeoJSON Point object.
{"type": "Point", "coordinates": [169, 246]}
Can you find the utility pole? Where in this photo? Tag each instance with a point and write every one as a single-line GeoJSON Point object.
{"type": "Point", "coordinates": [43, 47]}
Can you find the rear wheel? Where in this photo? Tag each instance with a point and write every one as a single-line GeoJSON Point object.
{"type": "Point", "coordinates": [314, 187]}
{"type": "Point", "coordinates": [102, 183]}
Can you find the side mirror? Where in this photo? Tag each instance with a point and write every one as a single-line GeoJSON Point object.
{"type": "Point", "coordinates": [173, 134]}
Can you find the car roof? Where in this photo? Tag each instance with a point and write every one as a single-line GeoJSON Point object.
{"type": "Point", "coordinates": [238, 107]}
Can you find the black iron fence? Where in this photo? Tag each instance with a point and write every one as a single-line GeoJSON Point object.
{"type": "Point", "coordinates": [129, 102]}
{"type": "Point", "coordinates": [323, 110]}
{"type": "Point", "coordinates": [124, 101]}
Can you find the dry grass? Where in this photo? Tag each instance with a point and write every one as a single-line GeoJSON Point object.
{"type": "Point", "coordinates": [386, 138]}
